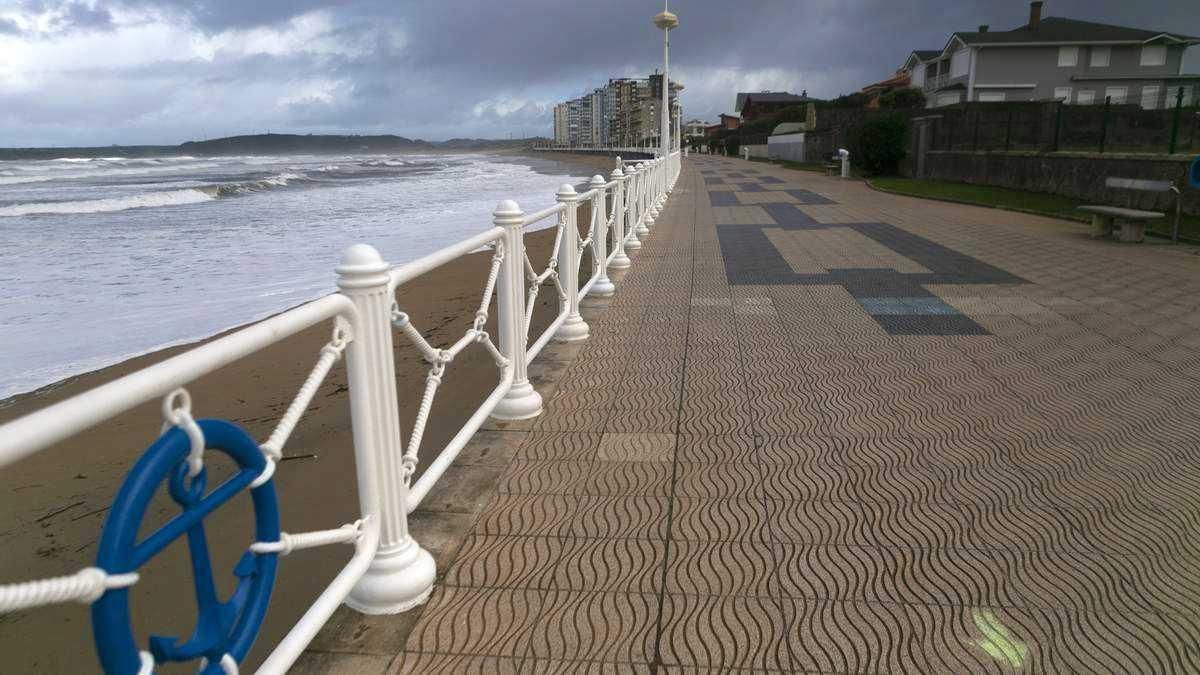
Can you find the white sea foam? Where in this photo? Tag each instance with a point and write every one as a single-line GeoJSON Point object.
{"type": "Point", "coordinates": [80, 160]}
{"type": "Point", "coordinates": [151, 199]}
{"type": "Point", "coordinates": [17, 180]}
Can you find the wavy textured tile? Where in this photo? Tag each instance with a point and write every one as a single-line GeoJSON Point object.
{"type": "Point", "coordinates": [624, 565]}
{"type": "Point", "coordinates": [595, 626]}
{"type": "Point", "coordinates": [723, 632]}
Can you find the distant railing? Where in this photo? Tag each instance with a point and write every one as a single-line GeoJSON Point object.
{"type": "Point", "coordinates": [388, 572]}
{"type": "Point", "coordinates": [649, 148]}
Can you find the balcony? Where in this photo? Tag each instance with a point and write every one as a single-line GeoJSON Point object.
{"type": "Point", "coordinates": [936, 82]}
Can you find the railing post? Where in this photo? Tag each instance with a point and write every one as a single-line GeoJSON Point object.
{"type": "Point", "coordinates": [522, 401]}
{"type": "Point", "coordinates": [401, 573]}
{"type": "Point", "coordinates": [1104, 123]}
{"type": "Point", "coordinates": [603, 286]}
{"type": "Point", "coordinates": [1174, 142]}
{"type": "Point", "coordinates": [633, 174]}
{"type": "Point", "coordinates": [643, 181]}
{"type": "Point", "coordinates": [652, 199]}
{"type": "Point", "coordinates": [620, 261]}
{"type": "Point", "coordinates": [573, 328]}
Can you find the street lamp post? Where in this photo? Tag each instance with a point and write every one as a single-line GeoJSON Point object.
{"type": "Point", "coordinates": [666, 21]}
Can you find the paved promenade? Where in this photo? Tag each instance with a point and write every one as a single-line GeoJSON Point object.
{"type": "Point", "coordinates": [825, 429]}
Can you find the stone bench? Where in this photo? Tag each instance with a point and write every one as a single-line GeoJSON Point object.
{"type": "Point", "coordinates": [1133, 221]}
{"type": "Point", "coordinates": [832, 169]}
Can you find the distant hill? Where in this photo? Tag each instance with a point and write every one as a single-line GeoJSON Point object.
{"type": "Point", "coordinates": [285, 144]}
{"type": "Point", "coordinates": [273, 144]}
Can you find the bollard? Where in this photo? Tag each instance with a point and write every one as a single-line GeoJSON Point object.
{"type": "Point", "coordinates": [521, 401]}
{"type": "Point", "coordinates": [844, 154]}
{"type": "Point", "coordinates": [603, 286]}
{"type": "Point", "coordinates": [620, 261]}
{"type": "Point", "coordinates": [401, 574]}
{"type": "Point", "coordinates": [573, 328]}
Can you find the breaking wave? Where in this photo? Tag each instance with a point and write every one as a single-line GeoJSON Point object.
{"type": "Point", "coordinates": [194, 195]}
{"type": "Point", "coordinates": [164, 198]}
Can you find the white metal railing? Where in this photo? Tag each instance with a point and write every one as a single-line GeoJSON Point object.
{"type": "Point", "coordinates": [388, 572]}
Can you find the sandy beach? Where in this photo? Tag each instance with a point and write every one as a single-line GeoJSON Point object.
{"type": "Point", "coordinates": [53, 505]}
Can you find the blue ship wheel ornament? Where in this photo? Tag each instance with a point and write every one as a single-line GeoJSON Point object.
{"type": "Point", "coordinates": [225, 630]}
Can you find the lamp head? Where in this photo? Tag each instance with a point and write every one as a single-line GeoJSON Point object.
{"type": "Point", "coordinates": [666, 20]}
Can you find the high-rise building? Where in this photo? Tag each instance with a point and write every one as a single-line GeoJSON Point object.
{"type": "Point", "coordinates": [561, 136]}
{"type": "Point", "coordinates": [623, 112]}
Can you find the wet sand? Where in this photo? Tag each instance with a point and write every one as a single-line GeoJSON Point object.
{"type": "Point", "coordinates": [53, 505]}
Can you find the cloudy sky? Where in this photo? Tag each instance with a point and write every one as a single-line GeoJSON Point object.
{"type": "Point", "coordinates": [98, 72]}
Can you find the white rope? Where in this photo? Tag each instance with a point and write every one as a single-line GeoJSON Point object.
{"type": "Point", "coordinates": [147, 663]}
{"type": "Point", "coordinates": [440, 358]}
{"type": "Point", "coordinates": [267, 472]}
{"type": "Point", "coordinates": [228, 665]}
{"type": "Point", "coordinates": [177, 411]}
{"type": "Point", "coordinates": [330, 353]}
{"type": "Point", "coordinates": [287, 543]}
{"type": "Point", "coordinates": [85, 586]}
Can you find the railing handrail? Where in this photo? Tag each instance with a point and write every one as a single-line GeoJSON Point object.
{"type": "Point", "coordinates": [34, 432]}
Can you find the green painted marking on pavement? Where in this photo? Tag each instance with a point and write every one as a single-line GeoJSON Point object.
{"type": "Point", "coordinates": [997, 641]}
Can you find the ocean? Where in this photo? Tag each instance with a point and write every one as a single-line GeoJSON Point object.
{"type": "Point", "coordinates": [102, 259]}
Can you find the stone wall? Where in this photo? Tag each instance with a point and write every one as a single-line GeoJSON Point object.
{"type": "Point", "coordinates": [1075, 175]}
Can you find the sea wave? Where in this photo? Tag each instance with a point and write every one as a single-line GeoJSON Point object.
{"type": "Point", "coordinates": [150, 199]}
{"type": "Point", "coordinates": [192, 195]}
{"type": "Point", "coordinates": [81, 160]}
{"type": "Point", "coordinates": [17, 180]}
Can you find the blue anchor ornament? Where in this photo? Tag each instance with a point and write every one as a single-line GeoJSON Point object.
{"type": "Point", "coordinates": [222, 628]}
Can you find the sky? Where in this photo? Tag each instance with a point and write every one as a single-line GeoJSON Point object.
{"type": "Point", "coordinates": [101, 72]}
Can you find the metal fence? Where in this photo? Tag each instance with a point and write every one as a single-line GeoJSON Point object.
{"type": "Point", "coordinates": [1105, 127]}
{"type": "Point", "coordinates": [388, 572]}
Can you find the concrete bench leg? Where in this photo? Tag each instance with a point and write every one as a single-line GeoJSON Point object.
{"type": "Point", "coordinates": [1133, 231]}
{"type": "Point", "coordinates": [1102, 226]}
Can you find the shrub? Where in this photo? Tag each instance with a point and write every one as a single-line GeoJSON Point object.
{"type": "Point", "coordinates": [903, 99]}
{"type": "Point", "coordinates": [877, 145]}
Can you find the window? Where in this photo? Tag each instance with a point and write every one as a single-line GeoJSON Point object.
{"type": "Point", "coordinates": [1154, 55]}
{"type": "Point", "coordinates": [1101, 56]}
{"type": "Point", "coordinates": [1116, 94]}
{"type": "Point", "coordinates": [1062, 94]}
{"type": "Point", "coordinates": [1068, 56]}
{"type": "Point", "coordinates": [1150, 96]}
{"type": "Point", "coordinates": [1086, 97]}
{"type": "Point", "coordinates": [1173, 93]}
{"type": "Point", "coordinates": [960, 63]}
{"type": "Point", "coordinates": [990, 96]}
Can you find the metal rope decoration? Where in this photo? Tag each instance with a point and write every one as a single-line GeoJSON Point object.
{"type": "Point", "coordinates": [224, 630]}
{"type": "Point", "coordinates": [1194, 173]}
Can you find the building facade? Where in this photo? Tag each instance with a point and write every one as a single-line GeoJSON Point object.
{"type": "Point", "coordinates": [1049, 58]}
{"type": "Point", "coordinates": [694, 129]}
{"type": "Point", "coordinates": [623, 112]}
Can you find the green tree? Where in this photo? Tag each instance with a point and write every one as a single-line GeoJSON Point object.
{"type": "Point", "coordinates": [902, 99]}
{"type": "Point", "coordinates": [877, 145]}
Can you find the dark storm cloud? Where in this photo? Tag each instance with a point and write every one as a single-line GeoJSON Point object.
{"type": "Point", "coordinates": [473, 67]}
